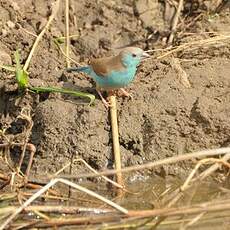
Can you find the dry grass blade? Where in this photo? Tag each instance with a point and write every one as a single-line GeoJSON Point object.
{"type": "Point", "coordinates": [30, 147]}
{"type": "Point", "coordinates": [56, 209]}
{"type": "Point", "coordinates": [93, 194]}
{"type": "Point", "coordinates": [213, 168]}
{"type": "Point", "coordinates": [55, 9]}
{"type": "Point", "coordinates": [25, 115]}
{"type": "Point", "coordinates": [189, 181]}
{"type": "Point", "coordinates": [71, 59]}
{"type": "Point", "coordinates": [139, 214]}
{"type": "Point", "coordinates": [78, 220]}
{"type": "Point", "coordinates": [201, 162]}
{"type": "Point", "coordinates": [196, 44]}
{"type": "Point", "coordinates": [175, 21]}
{"type": "Point", "coordinates": [170, 160]}
{"type": "Point", "coordinates": [49, 185]}
{"type": "Point", "coordinates": [91, 169]}
{"type": "Point", "coordinates": [204, 207]}
{"type": "Point", "coordinates": [178, 194]}
{"type": "Point", "coordinates": [193, 221]}
{"type": "Point", "coordinates": [67, 32]}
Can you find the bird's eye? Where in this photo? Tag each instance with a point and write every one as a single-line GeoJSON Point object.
{"type": "Point", "coordinates": [134, 55]}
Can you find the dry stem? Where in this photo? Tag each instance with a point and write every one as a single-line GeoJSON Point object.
{"type": "Point", "coordinates": [25, 115]}
{"type": "Point", "coordinates": [67, 32]}
{"type": "Point", "coordinates": [116, 145]}
{"type": "Point", "coordinates": [170, 160]}
{"type": "Point", "coordinates": [90, 168]}
{"type": "Point", "coordinates": [55, 9]}
{"type": "Point", "coordinates": [195, 45]}
{"type": "Point", "coordinates": [49, 185]}
{"type": "Point", "coordinates": [222, 205]}
{"type": "Point", "coordinates": [175, 22]}
{"type": "Point", "coordinates": [201, 162]}
{"type": "Point", "coordinates": [205, 207]}
{"type": "Point", "coordinates": [56, 209]}
{"type": "Point", "coordinates": [213, 168]}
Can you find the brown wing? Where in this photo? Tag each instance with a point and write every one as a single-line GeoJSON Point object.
{"type": "Point", "coordinates": [103, 66]}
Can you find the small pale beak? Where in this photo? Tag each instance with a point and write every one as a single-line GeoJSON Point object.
{"type": "Point", "coordinates": [145, 55]}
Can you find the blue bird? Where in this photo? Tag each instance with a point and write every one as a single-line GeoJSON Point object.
{"type": "Point", "coordinates": [113, 73]}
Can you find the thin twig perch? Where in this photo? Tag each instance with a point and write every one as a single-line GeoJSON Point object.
{"type": "Point", "coordinates": [115, 136]}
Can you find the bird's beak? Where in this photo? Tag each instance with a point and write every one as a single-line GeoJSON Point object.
{"type": "Point", "coordinates": [145, 55]}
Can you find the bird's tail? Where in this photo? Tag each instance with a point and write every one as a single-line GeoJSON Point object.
{"type": "Point", "coordinates": [85, 69]}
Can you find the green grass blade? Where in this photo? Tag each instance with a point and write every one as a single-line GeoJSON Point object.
{"type": "Point", "coordinates": [61, 40]}
{"type": "Point", "coordinates": [58, 41]}
{"type": "Point", "coordinates": [91, 97]}
{"type": "Point", "coordinates": [21, 75]}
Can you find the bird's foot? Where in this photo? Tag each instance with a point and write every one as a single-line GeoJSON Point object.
{"type": "Point", "coordinates": [105, 102]}
{"type": "Point", "coordinates": [125, 93]}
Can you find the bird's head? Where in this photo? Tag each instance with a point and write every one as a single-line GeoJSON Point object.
{"type": "Point", "coordinates": [132, 56]}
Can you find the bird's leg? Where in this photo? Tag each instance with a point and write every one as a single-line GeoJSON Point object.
{"type": "Point", "coordinates": [106, 103]}
{"type": "Point", "coordinates": [125, 93]}
{"type": "Point", "coordinates": [111, 93]}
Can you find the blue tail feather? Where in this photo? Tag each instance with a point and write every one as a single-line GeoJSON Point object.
{"type": "Point", "coordinates": [85, 69]}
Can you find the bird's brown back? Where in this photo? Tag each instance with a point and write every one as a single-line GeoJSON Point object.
{"type": "Point", "coordinates": [104, 66]}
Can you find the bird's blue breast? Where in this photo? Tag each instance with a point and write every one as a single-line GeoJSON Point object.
{"type": "Point", "coordinates": [115, 79]}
